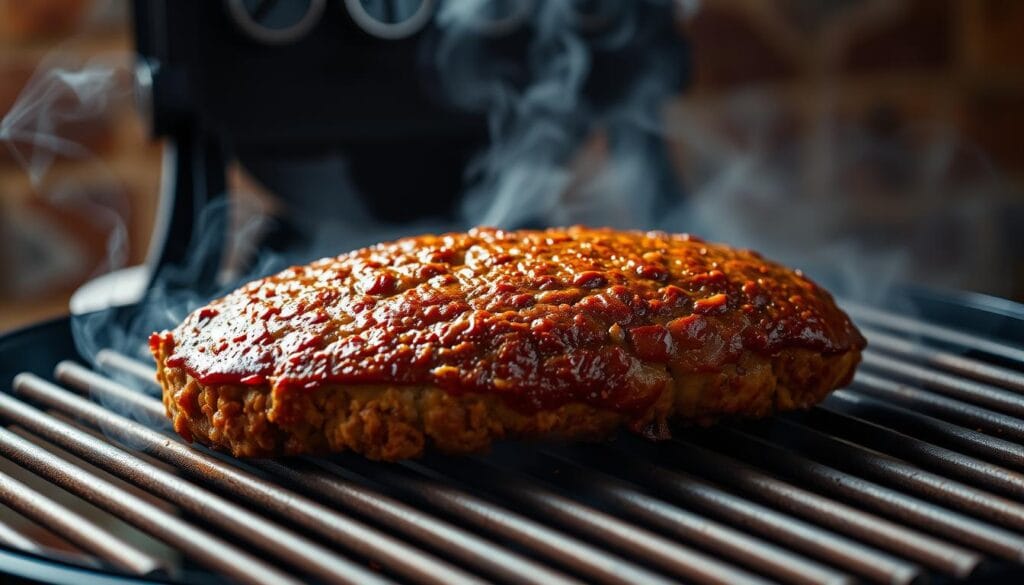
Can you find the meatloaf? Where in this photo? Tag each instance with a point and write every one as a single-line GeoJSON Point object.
{"type": "Point", "coordinates": [460, 339]}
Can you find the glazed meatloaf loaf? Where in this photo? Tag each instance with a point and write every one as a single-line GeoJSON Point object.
{"type": "Point", "coordinates": [457, 340]}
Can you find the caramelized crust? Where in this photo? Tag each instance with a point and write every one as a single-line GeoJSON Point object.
{"type": "Point", "coordinates": [461, 339]}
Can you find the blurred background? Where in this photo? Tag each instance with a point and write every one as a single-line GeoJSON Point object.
{"type": "Point", "coordinates": [879, 138]}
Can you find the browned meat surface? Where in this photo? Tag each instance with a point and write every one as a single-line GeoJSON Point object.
{"type": "Point", "coordinates": [461, 339]}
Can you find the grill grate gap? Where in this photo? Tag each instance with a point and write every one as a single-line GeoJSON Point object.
{"type": "Point", "coordinates": [711, 536]}
{"type": "Point", "coordinates": [258, 492]}
{"type": "Point", "coordinates": [831, 514]}
{"type": "Point", "coordinates": [975, 471]}
{"type": "Point", "coordinates": [975, 417]}
{"type": "Point", "coordinates": [468, 549]}
{"type": "Point", "coordinates": [592, 524]}
{"type": "Point", "coordinates": [933, 430]}
{"type": "Point", "coordinates": [962, 528]}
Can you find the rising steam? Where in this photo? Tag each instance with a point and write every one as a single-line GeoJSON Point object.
{"type": "Point", "coordinates": [64, 92]}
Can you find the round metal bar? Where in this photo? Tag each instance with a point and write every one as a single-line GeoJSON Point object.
{"type": "Point", "coordinates": [205, 548]}
{"type": "Point", "coordinates": [77, 376]}
{"type": "Point", "coordinates": [75, 528]}
{"type": "Point", "coordinates": [893, 471]}
{"type": "Point", "coordinates": [835, 515]}
{"type": "Point", "coordinates": [894, 322]}
{"type": "Point", "coordinates": [257, 531]}
{"type": "Point", "coordinates": [703, 496]}
{"type": "Point", "coordinates": [593, 563]}
{"type": "Point", "coordinates": [886, 440]}
{"type": "Point", "coordinates": [948, 361]}
{"type": "Point", "coordinates": [619, 535]}
{"type": "Point", "coordinates": [313, 516]}
{"type": "Point", "coordinates": [455, 541]}
{"type": "Point", "coordinates": [114, 361]}
{"type": "Point", "coordinates": [997, 399]}
{"type": "Point", "coordinates": [760, 555]}
{"type": "Point", "coordinates": [943, 407]}
{"type": "Point", "coordinates": [11, 538]}
{"type": "Point", "coordinates": [936, 519]}
{"type": "Point", "coordinates": [932, 429]}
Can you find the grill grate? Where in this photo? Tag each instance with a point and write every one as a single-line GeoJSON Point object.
{"type": "Point", "coordinates": [915, 470]}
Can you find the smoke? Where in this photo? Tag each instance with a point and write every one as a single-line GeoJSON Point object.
{"type": "Point", "coordinates": [63, 95]}
{"type": "Point", "coordinates": [861, 204]}
{"type": "Point", "coordinates": [550, 138]}
{"type": "Point", "coordinates": [533, 123]}
{"type": "Point", "coordinates": [60, 93]}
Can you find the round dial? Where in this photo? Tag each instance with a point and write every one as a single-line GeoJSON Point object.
{"type": "Point", "coordinates": [275, 22]}
{"type": "Point", "coordinates": [391, 19]}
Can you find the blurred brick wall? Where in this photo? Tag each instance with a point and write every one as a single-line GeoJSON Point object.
{"type": "Point", "coordinates": [54, 235]}
{"type": "Point", "coordinates": [965, 58]}
{"type": "Point", "coordinates": [893, 71]}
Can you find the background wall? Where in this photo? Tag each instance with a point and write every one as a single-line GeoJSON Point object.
{"type": "Point", "coordinates": [859, 94]}
{"type": "Point", "coordinates": [51, 236]}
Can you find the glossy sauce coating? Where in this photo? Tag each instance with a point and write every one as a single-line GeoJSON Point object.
{"type": "Point", "coordinates": [540, 318]}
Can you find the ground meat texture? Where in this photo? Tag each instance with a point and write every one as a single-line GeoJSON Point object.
{"type": "Point", "coordinates": [460, 339]}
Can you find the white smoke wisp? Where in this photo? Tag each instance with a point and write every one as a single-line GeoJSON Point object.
{"type": "Point", "coordinates": [557, 156]}
{"type": "Point", "coordinates": [64, 95]}
{"type": "Point", "coordinates": [65, 91]}
{"type": "Point", "coordinates": [859, 209]}
{"type": "Point", "coordinates": [531, 123]}
{"type": "Point", "coordinates": [62, 90]}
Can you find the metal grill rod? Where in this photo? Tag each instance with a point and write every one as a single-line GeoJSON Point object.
{"type": "Point", "coordinates": [354, 535]}
{"type": "Point", "coordinates": [194, 542]}
{"type": "Point", "coordinates": [11, 538]}
{"type": "Point", "coordinates": [566, 550]}
{"type": "Point", "coordinates": [930, 403]}
{"type": "Point", "coordinates": [997, 399]}
{"type": "Point", "coordinates": [868, 528]}
{"type": "Point", "coordinates": [893, 321]}
{"type": "Point", "coordinates": [935, 430]}
{"type": "Point", "coordinates": [698, 494]}
{"type": "Point", "coordinates": [466, 546]}
{"type": "Point", "coordinates": [230, 517]}
{"type": "Point", "coordinates": [619, 535]}
{"type": "Point", "coordinates": [760, 555]}
{"type": "Point", "coordinates": [895, 472]}
{"type": "Point", "coordinates": [962, 528]}
{"type": "Point", "coordinates": [75, 528]}
{"type": "Point", "coordinates": [591, 562]}
{"type": "Point", "coordinates": [111, 360]}
{"type": "Point", "coordinates": [944, 360]}
{"type": "Point", "coordinates": [98, 386]}
{"type": "Point", "coordinates": [879, 438]}
{"type": "Point", "coordinates": [469, 549]}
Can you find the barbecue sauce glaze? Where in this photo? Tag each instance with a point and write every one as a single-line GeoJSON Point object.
{"type": "Point", "coordinates": [539, 318]}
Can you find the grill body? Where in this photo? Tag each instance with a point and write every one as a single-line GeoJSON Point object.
{"type": "Point", "coordinates": [916, 471]}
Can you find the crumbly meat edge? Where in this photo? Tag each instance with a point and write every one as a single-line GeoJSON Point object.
{"type": "Point", "coordinates": [392, 422]}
